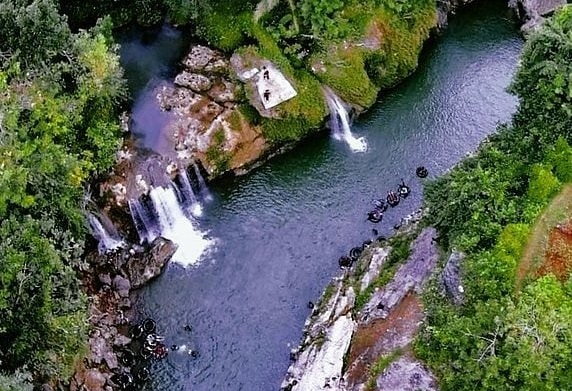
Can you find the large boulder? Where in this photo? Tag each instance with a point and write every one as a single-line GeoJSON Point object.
{"type": "Point", "coordinates": [145, 266]}
{"type": "Point", "coordinates": [451, 277]}
{"type": "Point", "coordinates": [531, 12]}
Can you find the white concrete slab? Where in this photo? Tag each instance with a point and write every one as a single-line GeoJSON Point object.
{"type": "Point", "coordinates": [273, 88]}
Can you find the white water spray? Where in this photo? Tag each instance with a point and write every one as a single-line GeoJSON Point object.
{"type": "Point", "coordinates": [169, 212]}
{"type": "Point", "coordinates": [106, 240]}
{"type": "Point", "coordinates": [340, 122]}
{"type": "Point", "coordinates": [203, 189]}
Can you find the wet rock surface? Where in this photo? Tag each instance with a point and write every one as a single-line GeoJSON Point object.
{"type": "Point", "coordinates": [150, 264]}
{"type": "Point", "coordinates": [110, 286]}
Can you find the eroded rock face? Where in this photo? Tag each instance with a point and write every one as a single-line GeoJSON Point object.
{"type": "Point", "coordinates": [319, 360]}
{"type": "Point", "coordinates": [410, 277]}
{"type": "Point", "coordinates": [531, 13]}
{"type": "Point", "coordinates": [446, 7]}
{"type": "Point", "coordinates": [208, 124]}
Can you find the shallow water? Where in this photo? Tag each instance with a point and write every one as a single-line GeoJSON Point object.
{"type": "Point", "coordinates": [280, 229]}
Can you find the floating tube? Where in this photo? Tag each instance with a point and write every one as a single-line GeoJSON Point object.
{"type": "Point", "coordinates": [355, 253]}
{"type": "Point", "coordinates": [403, 190]}
{"type": "Point", "coordinates": [149, 325]}
{"type": "Point", "coordinates": [380, 205]}
{"type": "Point", "coordinates": [375, 216]}
{"type": "Point", "coordinates": [392, 199]}
{"type": "Point", "coordinates": [344, 261]}
{"type": "Point", "coordinates": [421, 172]}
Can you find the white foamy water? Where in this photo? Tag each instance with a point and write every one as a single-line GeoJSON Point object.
{"type": "Point", "coordinates": [340, 123]}
{"type": "Point", "coordinates": [106, 240]}
{"type": "Point", "coordinates": [177, 227]}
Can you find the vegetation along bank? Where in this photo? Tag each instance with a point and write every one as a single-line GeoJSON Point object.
{"type": "Point", "coordinates": [62, 92]}
{"type": "Point", "coordinates": [495, 236]}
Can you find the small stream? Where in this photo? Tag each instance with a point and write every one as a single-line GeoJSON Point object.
{"type": "Point", "coordinates": [279, 230]}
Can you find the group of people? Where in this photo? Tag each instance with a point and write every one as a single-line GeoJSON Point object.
{"type": "Point", "coordinates": [392, 199]}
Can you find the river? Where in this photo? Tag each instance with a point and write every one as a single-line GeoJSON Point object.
{"type": "Point", "coordinates": [279, 230]}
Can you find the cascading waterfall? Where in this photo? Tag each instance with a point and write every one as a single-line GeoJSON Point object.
{"type": "Point", "coordinates": [340, 122]}
{"type": "Point", "coordinates": [203, 189]}
{"type": "Point", "coordinates": [170, 212]}
{"type": "Point", "coordinates": [187, 196]}
{"type": "Point", "coordinates": [107, 240]}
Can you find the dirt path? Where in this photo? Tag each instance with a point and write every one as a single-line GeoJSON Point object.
{"type": "Point", "coordinates": [535, 252]}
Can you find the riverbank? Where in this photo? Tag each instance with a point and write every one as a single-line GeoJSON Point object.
{"type": "Point", "coordinates": [359, 334]}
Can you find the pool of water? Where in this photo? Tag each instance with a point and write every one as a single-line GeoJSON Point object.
{"type": "Point", "coordinates": [280, 229]}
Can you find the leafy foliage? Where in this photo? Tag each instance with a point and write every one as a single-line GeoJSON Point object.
{"type": "Point", "coordinates": [59, 99]}
{"type": "Point", "coordinates": [501, 338]}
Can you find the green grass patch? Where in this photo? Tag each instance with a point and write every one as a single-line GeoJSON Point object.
{"type": "Point", "coordinates": [400, 251]}
{"type": "Point", "coordinates": [402, 39]}
{"type": "Point", "coordinates": [216, 154]}
{"type": "Point", "coordinates": [345, 73]}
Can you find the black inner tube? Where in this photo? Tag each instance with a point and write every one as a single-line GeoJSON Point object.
{"type": "Point", "coordinates": [421, 172]}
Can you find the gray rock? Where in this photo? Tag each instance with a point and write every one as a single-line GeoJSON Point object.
{"type": "Point", "coordinates": [406, 374]}
{"type": "Point", "coordinates": [121, 285]}
{"type": "Point", "coordinates": [105, 279]}
{"type": "Point", "coordinates": [199, 57]}
{"type": "Point", "coordinates": [451, 277]}
{"type": "Point", "coordinates": [143, 267]}
{"type": "Point", "coordinates": [411, 276]}
{"type": "Point", "coordinates": [121, 340]}
{"type": "Point", "coordinates": [98, 347]}
{"type": "Point", "coordinates": [125, 303]}
{"type": "Point", "coordinates": [193, 81]}
{"type": "Point", "coordinates": [110, 359]}
{"type": "Point", "coordinates": [531, 12]}
{"type": "Point", "coordinates": [94, 380]}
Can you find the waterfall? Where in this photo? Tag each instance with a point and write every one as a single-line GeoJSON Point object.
{"type": "Point", "coordinates": [187, 196]}
{"type": "Point", "coordinates": [169, 212]}
{"type": "Point", "coordinates": [203, 189]}
{"type": "Point", "coordinates": [107, 240]}
{"type": "Point", "coordinates": [340, 122]}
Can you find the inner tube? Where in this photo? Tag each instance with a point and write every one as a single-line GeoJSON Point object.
{"type": "Point", "coordinates": [160, 351]}
{"type": "Point", "coordinates": [137, 331]}
{"type": "Point", "coordinates": [375, 216]}
{"type": "Point", "coordinates": [128, 358]}
{"type": "Point", "coordinates": [421, 172]}
{"type": "Point", "coordinates": [344, 261]}
{"type": "Point", "coordinates": [403, 190]}
{"type": "Point", "coordinates": [392, 199]}
{"type": "Point", "coordinates": [355, 253]}
{"type": "Point", "coordinates": [149, 325]}
{"type": "Point", "coordinates": [145, 353]}
{"type": "Point", "coordinates": [142, 375]}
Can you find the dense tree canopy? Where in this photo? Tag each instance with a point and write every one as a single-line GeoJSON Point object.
{"type": "Point", "coordinates": [59, 98]}
{"type": "Point", "coordinates": [503, 338]}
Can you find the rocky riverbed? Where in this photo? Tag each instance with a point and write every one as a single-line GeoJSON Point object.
{"type": "Point", "coordinates": [111, 286]}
